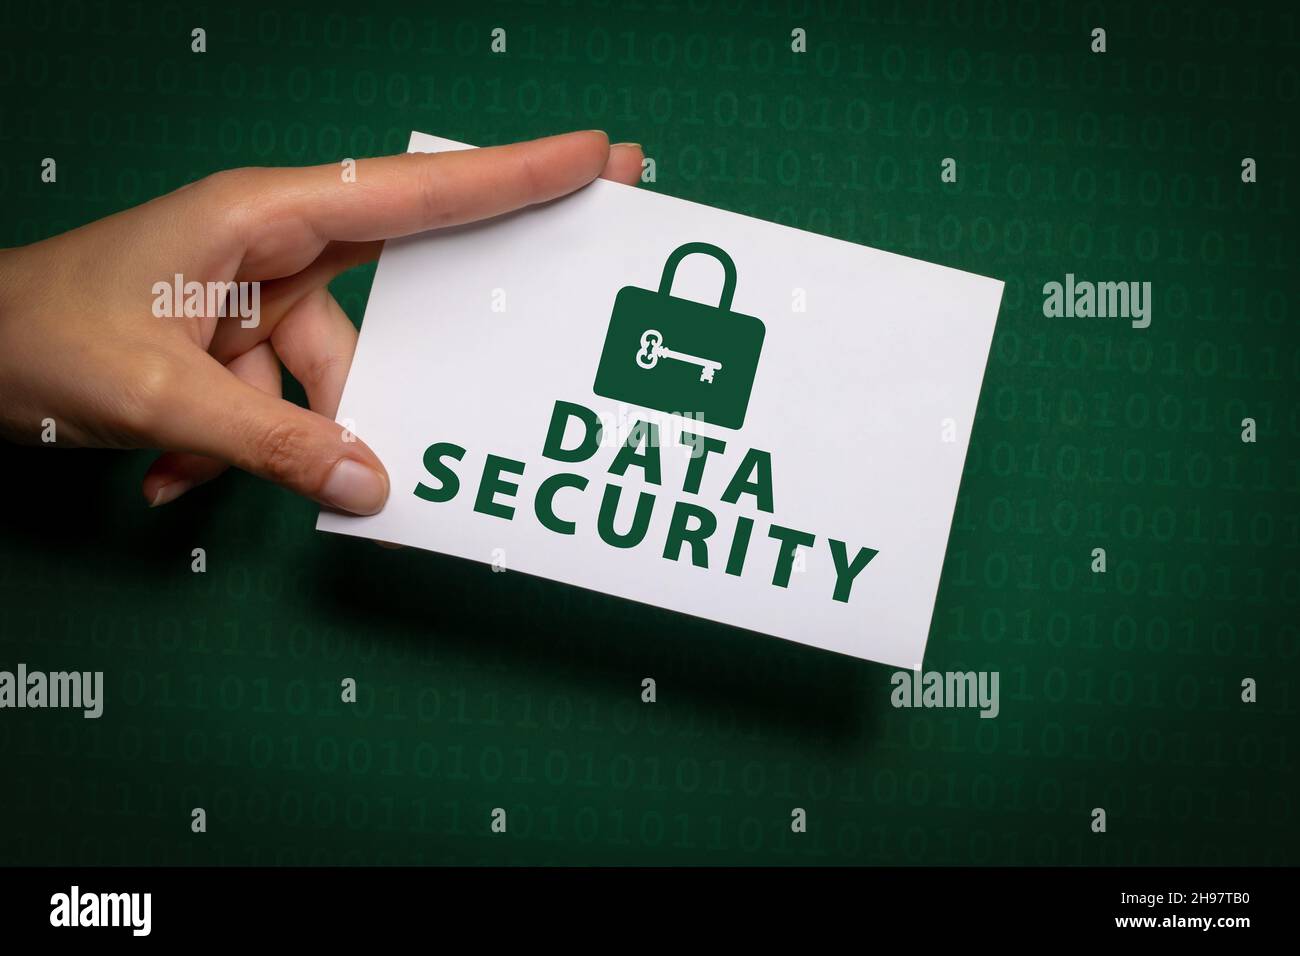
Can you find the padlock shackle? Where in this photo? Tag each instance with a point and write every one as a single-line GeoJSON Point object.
{"type": "Point", "coordinates": [681, 252]}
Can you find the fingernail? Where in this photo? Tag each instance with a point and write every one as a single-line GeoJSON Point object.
{"type": "Point", "coordinates": [353, 487]}
{"type": "Point", "coordinates": [170, 492]}
{"type": "Point", "coordinates": [633, 145]}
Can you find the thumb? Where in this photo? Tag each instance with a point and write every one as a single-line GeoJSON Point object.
{"type": "Point", "coordinates": [226, 418]}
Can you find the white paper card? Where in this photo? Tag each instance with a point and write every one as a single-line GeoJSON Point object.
{"type": "Point", "coordinates": [861, 401]}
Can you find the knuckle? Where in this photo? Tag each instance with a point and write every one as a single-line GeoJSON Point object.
{"type": "Point", "coordinates": [432, 191]}
{"type": "Point", "coordinates": [142, 402]}
{"type": "Point", "coordinates": [531, 175]}
{"type": "Point", "coordinates": [231, 194]}
{"type": "Point", "coordinates": [278, 451]}
{"type": "Point", "coordinates": [229, 183]}
{"type": "Point", "coordinates": [323, 369]}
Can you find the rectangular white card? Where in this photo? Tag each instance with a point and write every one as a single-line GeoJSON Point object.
{"type": "Point", "coordinates": [832, 411]}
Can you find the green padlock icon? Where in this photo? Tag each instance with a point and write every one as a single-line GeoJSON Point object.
{"type": "Point", "coordinates": [679, 356]}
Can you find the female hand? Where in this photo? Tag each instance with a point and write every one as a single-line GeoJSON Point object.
{"type": "Point", "coordinates": [80, 343]}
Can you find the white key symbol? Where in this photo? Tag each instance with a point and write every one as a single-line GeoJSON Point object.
{"type": "Point", "coordinates": [652, 350]}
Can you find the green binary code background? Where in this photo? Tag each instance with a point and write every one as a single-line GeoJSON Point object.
{"type": "Point", "coordinates": [477, 690]}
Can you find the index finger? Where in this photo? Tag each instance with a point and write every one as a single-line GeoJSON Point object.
{"type": "Point", "coordinates": [280, 215]}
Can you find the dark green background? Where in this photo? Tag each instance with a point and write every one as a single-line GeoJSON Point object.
{"type": "Point", "coordinates": [482, 690]}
